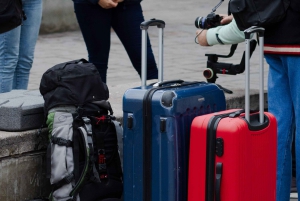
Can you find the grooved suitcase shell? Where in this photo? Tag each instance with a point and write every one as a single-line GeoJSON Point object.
{"type": "Point", "coordinates": [169, 148]}
{"type": "Point", "coordinates": [21, 110]}
{"type": "Point", "coordinates": [249, 160]}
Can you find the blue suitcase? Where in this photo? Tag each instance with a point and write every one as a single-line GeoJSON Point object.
{"type": "Point", "coordinates": [156, 122]}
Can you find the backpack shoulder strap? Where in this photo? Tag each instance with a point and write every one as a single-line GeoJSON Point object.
{"type": "Point", "coordinates": [119, 131]}
{"type": "Point", "coordinates": [84, 135]}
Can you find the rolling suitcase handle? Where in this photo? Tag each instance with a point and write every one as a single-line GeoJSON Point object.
{"type": "Point", "coordinates": [144, 27]}
{"type": "Point", "coordinates": [247, 33]}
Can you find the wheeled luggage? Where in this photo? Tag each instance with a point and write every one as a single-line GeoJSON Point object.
{"type": "Point", "coordinates": [233, 152]}
{"type": "Point", "coordinates": [156, 123]}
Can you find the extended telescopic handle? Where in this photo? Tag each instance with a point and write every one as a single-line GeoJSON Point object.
{"type": "Point", "coordinates": [247, 33]}
{"type": "Point", "coordinates": [144, 27]}
{"type": "Point", "coordinates": [153, 22]}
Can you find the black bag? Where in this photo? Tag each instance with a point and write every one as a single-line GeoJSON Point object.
{"type": "Point", "coordinates": [260, 13]}
{"type": "Point", "coordinates": [80, 121]}
{"type": "Point", "coordinates": [104, 154]}
{"type": "Point", "coordinates": [11, 14]}
{"type": "Point", "coordinates": [72, 83]}
{"type": "Point", "coordinates": [96, 171]}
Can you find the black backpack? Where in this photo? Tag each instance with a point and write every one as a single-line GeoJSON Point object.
{"type": "Point", "coordinates": [83, 158]}
{"type": "Point", "coordinates": [97, 171]}
{"type": "Point", "coordinates": [260, 13]}
{"type": "Point", "coordinates": [72, 83]}
{"type": "Point", "coordinates": [11, 14]}
{"type": "Point", "coordinates": [104, 156]}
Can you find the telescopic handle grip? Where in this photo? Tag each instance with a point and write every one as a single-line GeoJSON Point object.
{"type": "Point", "coordinates": [170, 82]}
{"type": "Point", "coordinates": [153, 22]}
{"type": "Point", "coordinates": [254, 29]}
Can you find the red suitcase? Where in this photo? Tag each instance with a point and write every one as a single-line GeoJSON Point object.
{"type": "Point", "coordinates": [233, 153]}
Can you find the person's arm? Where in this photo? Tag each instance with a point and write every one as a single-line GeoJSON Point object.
{"type": "Point", "coordinates": [201, 37]}
{"type": "Point", "coordinates": [226, 34]}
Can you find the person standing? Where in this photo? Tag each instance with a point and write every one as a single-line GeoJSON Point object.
{"type": "Point", "coordinates": [17, 48]}
{"type": "Point", "coordinates": [97, 17]}
{"type": "Point", "coordinates": [282, 53]}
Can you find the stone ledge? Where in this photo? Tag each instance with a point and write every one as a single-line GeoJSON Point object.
{"type": "Point", "coordinates": [21, 110]}
{"type": "Point", "coordinates": [23, 177]}
{"type": "Point", "coordinates": [18, 143]}
{"type": "Point", "coordinates": [58, 16]}
{"type": "Point", "coordinates": [237, 99]}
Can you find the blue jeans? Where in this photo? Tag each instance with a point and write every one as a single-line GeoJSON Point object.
{"type": "Point", "coordinates": [96, 23]}
{"type": "Point", "coordinates": [284, 103]}
{"type": "Point", "coordinates": [17, 49]}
